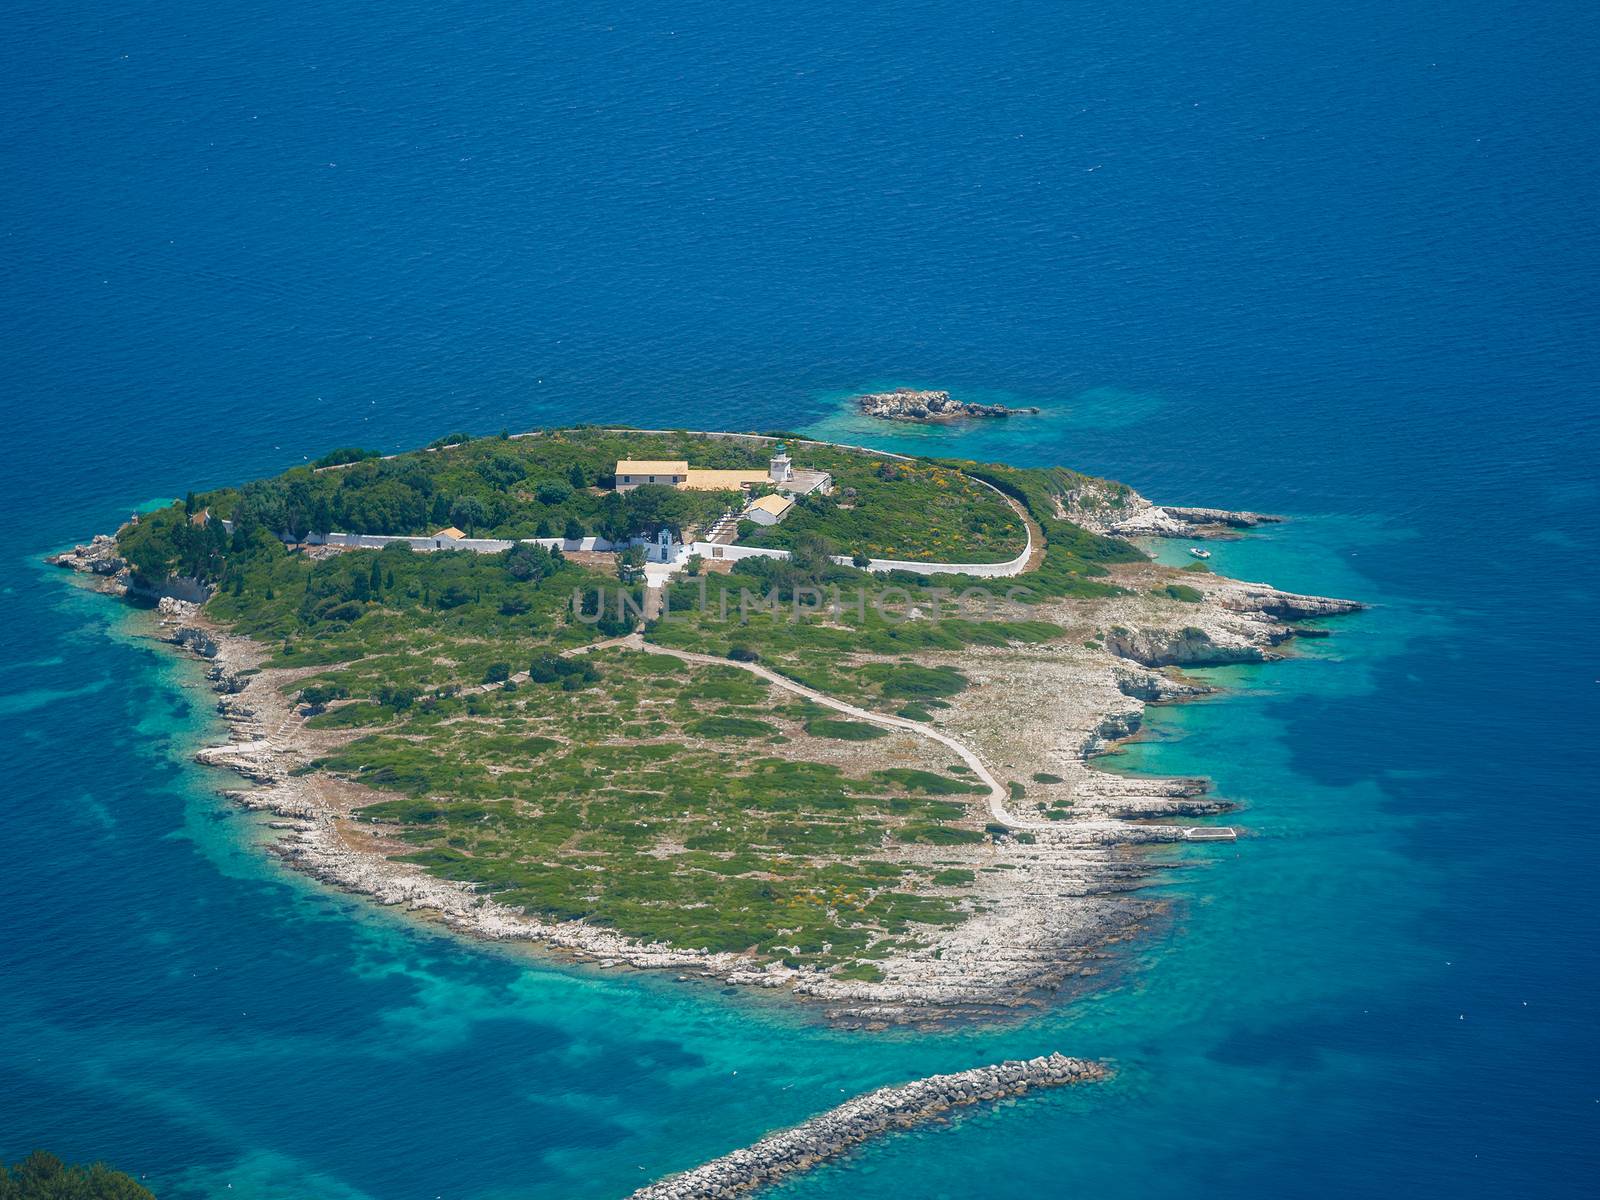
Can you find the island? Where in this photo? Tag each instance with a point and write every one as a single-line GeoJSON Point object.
{"type": "Point", "coordinates": [784, 714]}
{"type": "Point", "coordinates": [911, 404]}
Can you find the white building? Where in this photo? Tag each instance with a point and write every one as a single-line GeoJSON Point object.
{"type": "Point", "coordinates": [769, 510]}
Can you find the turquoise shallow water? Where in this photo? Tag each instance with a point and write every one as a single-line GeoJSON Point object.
{"type": "Point", "coordinates": [191, 1009]}
{"type": "Point", "coordinates": [1333, 262]}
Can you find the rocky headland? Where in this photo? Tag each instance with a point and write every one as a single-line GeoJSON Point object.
{"type": "Point", "coordinates": [1118, 511]}
{"type": "Point", "coordinates": [908, 404]}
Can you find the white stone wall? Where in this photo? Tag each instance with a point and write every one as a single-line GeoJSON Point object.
{"type": "Point", "coordinates": [679, 552]}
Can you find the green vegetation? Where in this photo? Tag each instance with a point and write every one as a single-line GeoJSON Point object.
{"type": "Point", "coordinates": [731, 727]}
{"type": "Point", "coordinates": [846, 731]}
{"type": "Point", "coordinates": [1180, 591]}
{"type": "Point", "coordinates": [914, 510]}
{"type": "Point", "coordinates": [627, 812]}
{"type": "Point", "coordinates": [1074, 557]}
{"type": "Point", "coordinates": [835, 629]}
{"type": "Point", "coordinates": [692, 804]}
{"type": "Point", "coordinates": [560, 481]}
{"type": "Point", "coordinates": [43, 1176]}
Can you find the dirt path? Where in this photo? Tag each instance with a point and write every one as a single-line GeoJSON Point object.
{"type": "Point", "coordinates": [998, 795]}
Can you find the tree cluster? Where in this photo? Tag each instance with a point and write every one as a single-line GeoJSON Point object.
{"type": "Point", "coordinates": [43, 1176]}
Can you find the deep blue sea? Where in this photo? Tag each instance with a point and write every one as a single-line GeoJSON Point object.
{"type": "Point", "coordinates": [1339, 261]}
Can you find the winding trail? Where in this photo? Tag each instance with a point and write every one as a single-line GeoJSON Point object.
{"type": "Point", "coordinates": [998, 795]}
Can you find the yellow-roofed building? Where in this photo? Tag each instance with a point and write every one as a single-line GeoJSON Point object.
{"type": "Point", "coordinates": [725, 481]}
{"type": "Point", "coordinates": [631, 472]}
{"type": "Point", "coordinates": [769, 510]}
{"type": "Point", "coordinates": [673, 472]}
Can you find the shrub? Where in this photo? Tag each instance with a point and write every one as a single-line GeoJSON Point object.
{"type": "Point", "coordinates": [908, 681]}
{"type": "Point", "coordinates": [343, 456]}
{"type": "Point", "coordinates": [731, 727]}
{"type": "Point", "coordinates": [497, 673]}
{"type": "Point", "coordinates": [630, 566]}
{"type": "Point", "coordinates": [844, 731]}
{"type": "Point", "coordinates": [743, 654]}
{"type": "Point", "coordinates": [525, 561]}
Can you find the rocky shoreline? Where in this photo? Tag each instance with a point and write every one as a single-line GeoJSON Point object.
{"type": "Point", "coordinates": [872, 1115]}
{"type": "Point", "coordinates": [908, 404]}
{"type": "Point", "coordinates": [1061, 893]}
{"type": "Point", "coordinates": [1121, 512]}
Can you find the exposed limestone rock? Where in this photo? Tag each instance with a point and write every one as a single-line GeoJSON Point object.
{"type": "Point", "coordinates": [111, 573]}
{"type": "Point", "coordinates": [99, 557]}
{"type": "Point", "coordinates": [1117, 511]}
{"type": "Point", "coordinates": [1155, 688]}
{"type": "Point", "coordinates": [907, 404]}
{"type": "Point", "coordinates": [194, 639]}
{"type": "Point", "coordinates": [1220, 516]}
{"type": "Point", "coordinates": [868, 1116]}
{"type": "Point", "coordinates": [1288, 606]}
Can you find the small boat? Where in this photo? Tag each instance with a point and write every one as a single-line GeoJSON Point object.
{"type": "Point", "coordinates": [1199, 553]}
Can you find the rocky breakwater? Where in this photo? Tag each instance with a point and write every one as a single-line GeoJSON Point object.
{"type": "Point", "coordinates": [907, 404]}
{"type": "Point", "coordinates": [865, 1117]}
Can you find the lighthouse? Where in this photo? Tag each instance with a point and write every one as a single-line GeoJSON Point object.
{"type": "Point", "coordinates": [781, 469]}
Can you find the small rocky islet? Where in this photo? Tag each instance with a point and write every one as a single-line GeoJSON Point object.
{"type": "Point", "coordinates": [912, 404]}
